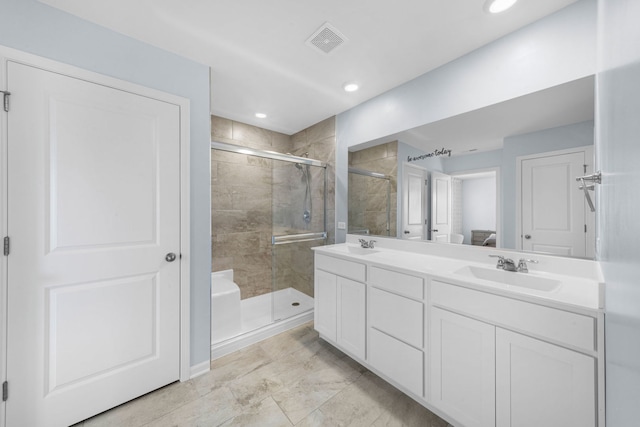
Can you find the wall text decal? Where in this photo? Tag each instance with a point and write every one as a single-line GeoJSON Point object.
{"type": "Point", "coordinates": [437, 152]}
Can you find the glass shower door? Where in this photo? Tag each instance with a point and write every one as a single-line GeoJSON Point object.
{"type": "Point", "coordinates": [299, 224]}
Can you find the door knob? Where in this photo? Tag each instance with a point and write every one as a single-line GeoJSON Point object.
{"type": "Point", "coordinates": [170, 257]}
{"type": "Point", "coordinates": [527, 236]}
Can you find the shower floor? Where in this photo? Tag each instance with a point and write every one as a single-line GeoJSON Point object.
{"type": "Point", "coordinates": [257, 321]}
{"type": "Point", "coordinates": [256, 311]}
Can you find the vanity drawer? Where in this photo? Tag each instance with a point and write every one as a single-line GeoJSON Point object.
{"type": "Point", "coordinates": [537, 320]}
{"type": "Point", "coordinates": [400, 317]}
{"type": "Point", "coordinates": [341, 267]}
{"type": "Point", "coordinates": [400, 283]}
{"type": "Point", "coordinates": [398, 361]}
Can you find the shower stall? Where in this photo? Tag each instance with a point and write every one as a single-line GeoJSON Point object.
{"type": "Point", "coordinates": [369, 202]}
{"type": "Point", "coordinates": [268, 211]}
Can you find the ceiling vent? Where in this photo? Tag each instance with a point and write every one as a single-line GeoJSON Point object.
{"type": "Point", "coordinates": [326, 38]}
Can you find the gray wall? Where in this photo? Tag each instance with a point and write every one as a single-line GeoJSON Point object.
{"type": "Point", "coordinates": [33, 27]}
{"type": "Point", "coordinates": [618, 151]}
{"type": "Point", "coordinates": [562, 48]}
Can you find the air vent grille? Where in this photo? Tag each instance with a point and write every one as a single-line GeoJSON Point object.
{"type": "Point", "coordinates": [327, 38]}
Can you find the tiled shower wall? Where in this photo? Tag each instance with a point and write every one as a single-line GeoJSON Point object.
{"type": "Point", "coordinates": [368, 196]}
{"type": "Point", "coordinates": [250, 194]}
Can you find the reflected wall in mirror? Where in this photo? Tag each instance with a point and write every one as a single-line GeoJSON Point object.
{"type": "Point", "coordinates": [552, 126]}
{"type": "Point", "coordinates": [372, 190]}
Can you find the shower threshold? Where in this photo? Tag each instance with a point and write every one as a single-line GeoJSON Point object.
{"type": "Point", "coordinates": [257, 323]}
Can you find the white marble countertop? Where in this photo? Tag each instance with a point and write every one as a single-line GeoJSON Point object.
{"type": "Point", "coordinates": [579, 289]}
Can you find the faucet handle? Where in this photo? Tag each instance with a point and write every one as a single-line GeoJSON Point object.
{"type": "Point", "coordinates": [522, 264]}
{"type": "Point", "coordinates": [500, 261]}
{"type": "Point", "coordinates": [372, 243]}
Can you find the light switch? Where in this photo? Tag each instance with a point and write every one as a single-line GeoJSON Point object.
{"type": "Point", "coordinates": [342, 225]}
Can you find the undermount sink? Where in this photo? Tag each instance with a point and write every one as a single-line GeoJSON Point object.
{"type": "Point", "coordinates": [523, 280]}
{"type": "Point", "coordinates": [358, 250]}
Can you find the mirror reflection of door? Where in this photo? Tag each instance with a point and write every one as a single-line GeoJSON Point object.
{"type": "Point", "coordinates": [440, 207]}
{"type": "Point", "coordinates": [413, 212]}
{"type": "Point", "coordinates": [554, 218]}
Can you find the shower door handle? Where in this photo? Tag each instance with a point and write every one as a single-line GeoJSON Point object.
{"type": "Point", "coordinates": [170, 257]}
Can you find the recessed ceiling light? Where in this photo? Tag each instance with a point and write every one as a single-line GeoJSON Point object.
{"type": "Point", "coordinates": [350, 87]}
{"type": "Point", "coordinates": [497, 6]}
{"type": "Point", "coordinates": [261, 115]}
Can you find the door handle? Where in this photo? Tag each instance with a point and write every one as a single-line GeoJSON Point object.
{"type": "Point", "coordinates": [527, 236]}
{"type": "Point", "coordinates": [406, 232]}
{"type": "Point", "coordinates": [434, 229]}
{"type": "Point", "coordinates": [170, 257]}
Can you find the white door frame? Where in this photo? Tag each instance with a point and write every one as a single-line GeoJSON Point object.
{"type": "Point", "coordinates": [404, 209]}
{"type": "Point", "coordinates": [496, 170]}
{"type": "Point", "coordinates": [7, 54]}
{"type": "Point", "coordinates": [588, 155]}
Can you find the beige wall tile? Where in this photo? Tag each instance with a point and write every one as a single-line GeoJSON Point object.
{"type": "Point", "coordinates": [322, 130]}
{"type": "Point", "coordinates": [221, 128]}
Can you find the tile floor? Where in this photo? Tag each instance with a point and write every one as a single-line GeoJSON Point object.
{"type": "Point", "coordinates": [292, 379]}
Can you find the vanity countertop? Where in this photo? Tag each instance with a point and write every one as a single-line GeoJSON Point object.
{"type": "Point", "coordinates": [573, 285]}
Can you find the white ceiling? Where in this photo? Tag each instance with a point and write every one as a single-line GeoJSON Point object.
{"type": "Point", "coordinates": [260, 63]}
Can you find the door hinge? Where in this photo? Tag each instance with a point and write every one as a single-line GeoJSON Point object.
{"type": "Point", "coordinates": [584, 167]}
{"type": "Point", "coordinates": [5, 391]}
{"type": "Point", "coordinates": [585, 228]}
{"type": "Point", "coordinates": [5, 102]}
{"type": "Point", "coordinates": [7, 245]}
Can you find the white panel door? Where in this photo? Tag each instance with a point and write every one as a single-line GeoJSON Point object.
{"type": "Point", "coordinates": [413, 215]}
{"type": "Point", "coordinates": [463, 368]}
{"type": "Point", "coordinates": [553, 207]}
{"type": "Point", "coordinates": [541, 384]}
{"type": "Point", "coordinates": [440, 207]}
{"type": "Point", "coordinates": [93, 208]}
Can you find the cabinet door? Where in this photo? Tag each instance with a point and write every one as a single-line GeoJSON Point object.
{"type": "Point", "coordinates": [463, 368]}
{"type": "Point", "coordinates": [541, 384]}
{"type": "Point", "coordinates": [325, 297]}
{"type": "Point", "coordinates": [351, 316]}
{"type": "Point", "coordinates": [400, 362]}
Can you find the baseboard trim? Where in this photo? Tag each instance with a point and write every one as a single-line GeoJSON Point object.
{"type": "Point", "coordinates": [200, 369]}
{"type": "Point", "coordinates": [236, 343]}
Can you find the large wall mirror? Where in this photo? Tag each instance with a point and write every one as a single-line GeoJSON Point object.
{"type": "Point", "coordinates": [501, 176]}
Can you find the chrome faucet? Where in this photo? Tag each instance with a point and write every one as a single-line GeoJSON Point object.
{"type": "Point", "coordinates": [367, 245]}
{"type": "Point", "coordinates": [522, 264]}
{"type": "Point", "coordinates": [505, 264]}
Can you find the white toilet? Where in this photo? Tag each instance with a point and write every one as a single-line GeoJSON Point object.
{"type": "Point", "coordinates": [225, 306]}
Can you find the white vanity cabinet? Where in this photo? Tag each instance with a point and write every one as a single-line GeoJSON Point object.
{"type": "Point", "coordinates": [463, 368]}
{"type": "Point", "coordinates": [541, 384]}
{"type": "Point", "coordinates": [396, 327]}
{"type": "Point", "coordinates": [545, 369]}
{"type": "Point", "coordinates": [340, 303]}
{"type": "Point", "coordinates": [325, 304]}
{"type": "Point", "coordinates": [475, 352]}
